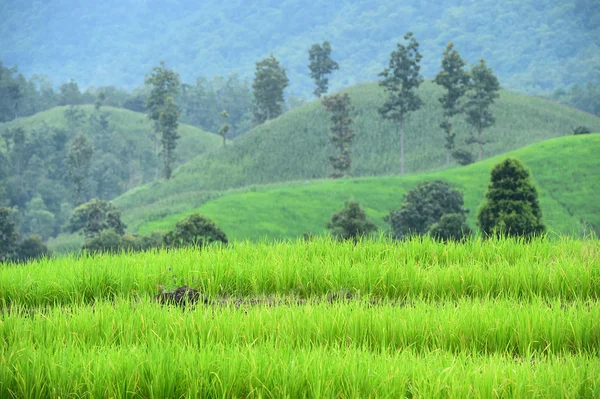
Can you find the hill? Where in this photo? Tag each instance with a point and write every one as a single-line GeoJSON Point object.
{"type": "Point", "coordinates": [566, 171]}
{"type": "Point", "coordinates": [33, 160]}
{"type": "Point", "coordinates": [295, 146]}
{"type": "Point", "coordinates": [534, 46]}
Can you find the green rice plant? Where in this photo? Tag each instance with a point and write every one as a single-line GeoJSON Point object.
{"type": "Point", "coordinates": [165, 370]}
{"type": "Point", "coordinates": [563, 268]}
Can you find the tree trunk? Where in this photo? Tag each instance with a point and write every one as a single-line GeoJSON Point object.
{"type": "Point", "coordinates": [402, 148]}
{"type": "Point", "coordinates": [480, 144]}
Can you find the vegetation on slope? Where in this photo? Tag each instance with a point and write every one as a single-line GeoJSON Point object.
{"type": "Point", "coordinates": [566, 171]}
{"type": "Point", "coordinates": [532, 45]}
{"type": "Point", "coordinates": [296, 146]}
{"type": "Point", "coordinates": [56, 159]}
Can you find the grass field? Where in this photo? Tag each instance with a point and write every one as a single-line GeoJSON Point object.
{"type": "Point", "coordinates": [566, 171]}
{"type": "Point", "coordinates": [498, 318]}
{"type": "Point", "coordinates": [296, 145]}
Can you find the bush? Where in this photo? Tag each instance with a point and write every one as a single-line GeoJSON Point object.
{"type": "Point", "coordinates": [451, 227]}
{"type": "Point", "coordinates": [107, 241]}
{"type": "Point", "coordinates": [463, 156]}
{"type": "Point", "coordinates": [351, 222]}
{"type": "Point", "coordinates": [424, 206]}
{"type": "Point", "coordinates": [94, 217]}
{"type": "Point", "coordinates": [194, 230]}
{"type": "Point", "coordinates": [511, 207]}
{"type": "Point", "coordinates": [32, 248]}
{"type": "Point", "coordinates": [581, 130]}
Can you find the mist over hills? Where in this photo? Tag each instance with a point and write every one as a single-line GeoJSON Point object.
{"type": "Point", "coordinates": [533, 46]}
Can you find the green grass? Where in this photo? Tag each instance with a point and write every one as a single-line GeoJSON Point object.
{"type": "Point", "coordinates": [295, 146]}
{"type": "Point", "coordinates": [566, 171]}
{"type": "Point", "coordinates": [130, 127]}
{"type": "Point", "coordinates": [495, 318]}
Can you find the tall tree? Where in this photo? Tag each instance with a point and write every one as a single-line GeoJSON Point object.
{"type": "Point", "coordinates": [79, 161]}
{"type": "Point", "coordinates": [511, 206]}
{"type": "Point", "coordinates": [455, 80]}
{"type": "Point", "coordinates": [341, 132]}
{"type": "Point", "coordinates": [224, 129]}
{"type": "Point", "coordinates": [320, 66]}
{"type": "Point", "coordinates": [400, 80]}
{"type": "Point", "coordinates": [163, 111]}
{"type": "Point", "coordinates": [8, 235]}
{"type": "Point", "coordinates": [70, 94]}
{"type": "Point", "coordinates": [270, 80]}
{"type": "Point", "coordinates": [482, 91]}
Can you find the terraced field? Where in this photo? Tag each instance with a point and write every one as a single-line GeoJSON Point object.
{"type": "Point", "coordinates": [498, 318]}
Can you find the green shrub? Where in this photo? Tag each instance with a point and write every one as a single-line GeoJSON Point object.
{"type": "Point", "coordinates": [107, 241]}
{"type": "Point", "coordinates": [581, 130]}
{"type": "Point", "coordinates": [351, 222]}
{"type": "Point", "coordinates": [424, 206]}
{"type": "Point", "coordinates": [94, 217]}
{"type": "Point", "coordinates": [194, 230]}
{"type": "Point", "coordinates": [31, 248]}
{"type": "Point", "coordinates": [511, 207]}
{"type": "Point", "coordinates": [451, 227]}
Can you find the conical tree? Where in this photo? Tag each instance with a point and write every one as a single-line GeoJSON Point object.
{"type": "Point", "coordinates": [511, 207]}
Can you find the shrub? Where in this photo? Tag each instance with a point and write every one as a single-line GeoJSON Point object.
{"type": "Point", "coordinates": [451, 227]}
{"type": "Point", "coordinates": [107, 241]}
{"type": "Point", "coordinates": [511, 207]}
{"type": "Point", "coordinates": [96, 216]}
{"type": "Point", "coordinates": [424, 206]}
{"type": "Point", "coordinates": [194, 230]}
{"type": "Point", "coordinates": [351, 222]}
{"type": "Point", "coordinates": [581, 130]}
{"type": "Point", "coordinates": [463, 156]}
{"type": "Point", "coordinates": [31, 248]}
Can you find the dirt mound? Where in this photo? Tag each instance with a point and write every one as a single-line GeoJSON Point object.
{"type": "Point", "coordinates": [182, 296]}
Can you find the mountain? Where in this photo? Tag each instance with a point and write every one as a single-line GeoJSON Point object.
{"type": "Point", "coordinates": [295, 146]}
{"type": "Point", "coordinates": [534, 46]}
{"type": "Point", "coordinates": [565, 170]}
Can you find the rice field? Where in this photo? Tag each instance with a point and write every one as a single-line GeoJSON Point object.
{"type": "Point", "coordinates": [319, 318]}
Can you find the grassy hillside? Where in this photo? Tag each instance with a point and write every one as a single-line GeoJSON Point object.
{"type": "Point", "coordinates": [130, 128]}
{"type": "Point", "coordinates": [295, 146]}
{"type": "Point", "coordinates": [566, 171]}
{"type": "Point", "coordinates": [480, 319]}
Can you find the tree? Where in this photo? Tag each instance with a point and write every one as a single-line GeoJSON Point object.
{"type": "Point", "coordinates": [455, 80]}
{"type": "Point", "coordinates": [224, 129]}
{"type": "Point", "coordinates": [482, 91]}
{"type": "Point", "coordinates": [351, 222]}
{"type": "Point", "coordinates": [79, 161]}
{"type": "Point", "coordinates": [463, 156]}
{"type": "Point", "coordinates": [400, 80]}
{"type": "Point", "coordinates": [424, 206]}
{"type": "Point", "coordinates": [70, 94]}
{"type": "Point", "coordinates": [163, 111]}
{"type": "Point", "coordinates": [511, 206]}
{"type": "Point", "coordinates": [38, 220]}
{"type": "Point", "coordinates": [341, 132]}
{"type": "Point", "coordinates": [270, 80]}
{"type": "Point", "coordinates": [107, 240]}
{"type": "Point", "coordinates": [8, 235]}
{"type": "Point", "coordinates": [320, 66]}
{"type": "Point", "coordinates": [94, 217]}
{"type": "Point", "coordinates": [451, 227]}
{"type": "Point", "coordinates": [195, 230]}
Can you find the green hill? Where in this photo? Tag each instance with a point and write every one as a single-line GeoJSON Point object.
{"type": "Point", "coordinates": [295, 147]}
{"type": "Point", "coordinates": [33, 160]}
{"type": "Point", "coordinates": [129, 128]}
{"type": "Point", "coordinates": [566, 171]}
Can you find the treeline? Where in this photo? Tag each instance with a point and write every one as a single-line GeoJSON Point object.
{"type": "Point", "coordinates": [200, 103]}
{"type": "Point", "coordinates": [585, 98]}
